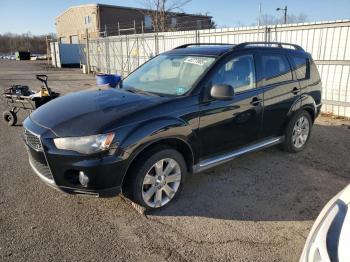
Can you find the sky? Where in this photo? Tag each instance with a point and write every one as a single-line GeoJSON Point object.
{"type": "Point", "coordinates": [38, 16]}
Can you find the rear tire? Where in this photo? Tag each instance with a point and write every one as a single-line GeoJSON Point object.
{"type": "Point", "coordinates": [298, 132]}
{"type": "Point", "coordinates": [158, 177]}
{"type": "Point", "coordinates": [10, 118]}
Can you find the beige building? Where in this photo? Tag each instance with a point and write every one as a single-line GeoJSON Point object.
{"type": "Point", "coordinates": [101, 20]}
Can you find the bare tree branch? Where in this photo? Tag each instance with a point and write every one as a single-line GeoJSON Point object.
{"type": "Point", "coordinates": [161, 10]}
{"type": "Point", "coordinates": [267, 19]}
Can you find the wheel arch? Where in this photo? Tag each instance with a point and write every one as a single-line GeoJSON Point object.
{"type": "Point", "coordinates": [179, 144]}
{"type": "Point", "coordinates": [305, 102]}
{"type": "Point", "coordinates": [170, 131]}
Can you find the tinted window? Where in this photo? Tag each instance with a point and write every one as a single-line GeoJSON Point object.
{"type": "Point", "coordinates": [275, 69]}
{"type": "Point", "coordinates": [238, 72]}
{"type": "Point", "coordinates": [301, 67]}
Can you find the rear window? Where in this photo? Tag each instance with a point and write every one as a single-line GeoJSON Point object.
{"type": "Point", "coordinates": [301, 67]}
{"type": "Point", "coordinates": [275, 69]}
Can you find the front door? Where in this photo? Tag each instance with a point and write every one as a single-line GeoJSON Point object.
{"type": "Point", "coordinates": [230, 124]}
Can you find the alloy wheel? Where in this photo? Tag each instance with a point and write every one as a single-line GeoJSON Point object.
{"type": "Point", "coordinates": [161, 182]}
{"type": "Point", "coordinates": [301, 132]}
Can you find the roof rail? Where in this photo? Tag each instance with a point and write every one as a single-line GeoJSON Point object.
{"type": "Point", "coordinates": [200, 44]}
{"type": "Point", "coordinates": [279, 44]}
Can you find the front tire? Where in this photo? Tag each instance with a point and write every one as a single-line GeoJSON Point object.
{"type": "Point", "coordinates": [158, 178]}
{"type": "Point", "coordinates": [298, 132]}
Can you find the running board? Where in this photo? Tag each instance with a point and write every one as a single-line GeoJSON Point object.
{"type": "Point", "coordinates": [214, 161]}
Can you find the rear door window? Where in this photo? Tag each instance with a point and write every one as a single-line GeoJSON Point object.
{"type": "Point", "coordinates": [275, 69]}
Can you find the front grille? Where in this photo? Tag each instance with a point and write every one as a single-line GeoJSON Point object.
{"type": "Point", "coordinates": [32, 140]}
{"type": "Point", "coordinates": [42, 169]}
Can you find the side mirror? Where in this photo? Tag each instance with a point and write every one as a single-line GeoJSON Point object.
{"type": "Point", "coordinates": [222, 92]}
{"type": "Point", "coordinates": [108, 79]}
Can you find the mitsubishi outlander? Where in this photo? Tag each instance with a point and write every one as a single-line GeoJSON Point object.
{"type": "Point", "coordinates": [182, 112]}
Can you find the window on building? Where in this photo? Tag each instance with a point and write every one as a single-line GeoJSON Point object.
{"type": "Point", "coordinates": [199, 24]}
{"type": "Point", "coordinates": [87, 19]}
{"type": "Point", "coordinates": [64, 40]}
{"type": "Point", "coordinates": [276, 69]}
{"type": "Point", "coordinates": [148, 22]}
{"type": "Point", "coordinates": [173, 22]}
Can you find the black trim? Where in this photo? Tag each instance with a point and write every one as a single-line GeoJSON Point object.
{"type": "Point", "coordinates": [105, 193]}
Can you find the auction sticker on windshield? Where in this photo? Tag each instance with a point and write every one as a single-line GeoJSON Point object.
{"type": "Point", "coordinates": [196, 60]}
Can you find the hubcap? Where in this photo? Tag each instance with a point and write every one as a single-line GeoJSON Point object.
{"type": "Point", "coordinates": [161, 182]}
{"type": "Point", "coordinates": [300, 132]}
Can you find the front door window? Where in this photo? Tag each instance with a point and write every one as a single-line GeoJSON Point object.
{"type": "Point", "coordinates": [238, 72]}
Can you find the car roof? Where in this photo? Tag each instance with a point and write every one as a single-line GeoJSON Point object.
{"type": "Point", "coordinates": [213, 49]}
{"type": "Point", "coordinates": [210, 50]}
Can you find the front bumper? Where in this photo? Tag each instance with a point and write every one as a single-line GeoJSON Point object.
{"type": "Point", "coordinates": [329, 238]}
{"type": "Point", "coordinates": [60, 169]}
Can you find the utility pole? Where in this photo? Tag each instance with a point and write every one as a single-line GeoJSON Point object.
{"type": "Point", "coordinates": [285, 13]}
{"type": "Point", "coordinates": [259, 20]}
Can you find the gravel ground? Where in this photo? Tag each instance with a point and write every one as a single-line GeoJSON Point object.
{"type": "Point", "coordinates": [259, 207]}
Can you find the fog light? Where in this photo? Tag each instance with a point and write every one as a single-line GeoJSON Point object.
{"type": "Point", "coordinates": [83, 179]}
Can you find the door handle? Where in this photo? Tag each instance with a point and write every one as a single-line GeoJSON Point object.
{"type": "Point", "coordinates": [256, 101]}
{"type": "Point", "coordinates": [295, 91]}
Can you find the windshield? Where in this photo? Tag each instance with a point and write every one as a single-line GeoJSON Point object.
{"type": "Point", "coordinates": [168, 74]}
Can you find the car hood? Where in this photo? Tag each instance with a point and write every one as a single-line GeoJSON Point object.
{"type": "Point", "coordinates": [91, 111]}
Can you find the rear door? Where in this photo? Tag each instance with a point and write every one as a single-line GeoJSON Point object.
{"type": "Point", "coordinates": [281, 90]}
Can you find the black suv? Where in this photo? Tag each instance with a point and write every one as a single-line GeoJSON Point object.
{"type": "Point", "coordinates": [184, 111]}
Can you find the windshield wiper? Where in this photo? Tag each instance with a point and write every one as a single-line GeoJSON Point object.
{"type": "Point", "coordinates": [138, 91]}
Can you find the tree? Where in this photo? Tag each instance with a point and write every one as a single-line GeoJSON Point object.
{"type": "Point", "coordinates": [267, 19]}
{"type": "Point", "coordinates": [10, 43]}
{"type": "Point", "coordinates": [161, 11]}
{"type": "Point", "coordinates": [213, 24]}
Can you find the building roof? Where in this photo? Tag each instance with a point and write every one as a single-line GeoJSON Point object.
{"type": "Point", "coordinates": [73, 7]}
{"type": "Point", "coordinates": [126, 7]}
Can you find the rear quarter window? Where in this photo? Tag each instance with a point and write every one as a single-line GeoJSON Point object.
{"type": "Point", "coordinates": [301, 67]}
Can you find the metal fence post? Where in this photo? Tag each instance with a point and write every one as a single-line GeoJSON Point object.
{"type": "Point", "coordinates": [122, 55]}
{"type": "Point", "coordinates": [276, 33]}
{"type": "Point", "coordinates": [107, 50]}
{"type": "Point", "coordinates": [127, 53]}
{"type": "Point", "coordinates": [267, 34]}
{"type": "Point", "coordinates": [87, 51]}
{"type": "Point", "coordinates": [48, 50]}
{"type": "Point", "coordinates": [156, 44]}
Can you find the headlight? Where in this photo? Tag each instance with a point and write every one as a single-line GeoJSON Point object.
{"type": "Point", "coordinates": [323, 245]}
{"type": "Point", "coordinates": [85, 144]}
